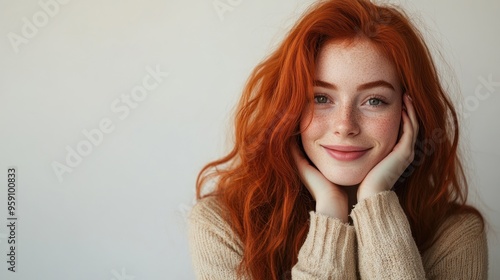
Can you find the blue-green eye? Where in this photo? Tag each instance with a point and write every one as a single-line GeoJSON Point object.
{"type": "Point", "coordinates": [375, 102]}
{"type": "Point", "coordinates": [320, 99]}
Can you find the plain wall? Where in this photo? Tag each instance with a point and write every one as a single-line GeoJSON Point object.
{"type": "Point", "coordinates": [119, 210]}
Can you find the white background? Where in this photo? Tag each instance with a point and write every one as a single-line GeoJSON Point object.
{"type": "Point", "coordinates": [120, 212]}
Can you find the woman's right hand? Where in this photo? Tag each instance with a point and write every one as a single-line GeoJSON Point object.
{"type": "Point", "coordinates": [330, 199]}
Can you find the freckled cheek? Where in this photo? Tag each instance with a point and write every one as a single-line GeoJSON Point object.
{"type": "Point", "coordinates": [313, 126]}
{"type": "Point", "coordinates": [386, 129]}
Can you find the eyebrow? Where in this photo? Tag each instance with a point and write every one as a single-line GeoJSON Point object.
{"type": "Point", "coordinates": [374, 84]}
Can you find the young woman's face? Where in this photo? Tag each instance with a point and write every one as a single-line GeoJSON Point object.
{"type": "Point", "coordinates": [355, 119]}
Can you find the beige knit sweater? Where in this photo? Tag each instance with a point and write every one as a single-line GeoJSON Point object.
{"type": "Point", "coordinates": [378, 245]}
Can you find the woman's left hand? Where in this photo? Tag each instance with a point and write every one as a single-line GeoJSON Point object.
{"type": "Point", "coordinates": [385, 174]}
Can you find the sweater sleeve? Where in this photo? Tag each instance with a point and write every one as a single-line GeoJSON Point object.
{"type": "Point", "coordinates": [327, 253]}
{"type": "Point", "coordinates": [460, 252]}
{"type": "Point", "coordinates": [386, 248]}
{"type": "Point", "coordinates": [215, 251]}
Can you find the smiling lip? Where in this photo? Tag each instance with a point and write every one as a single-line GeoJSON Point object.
{"type": "Point", "coordinates": [346, 153]}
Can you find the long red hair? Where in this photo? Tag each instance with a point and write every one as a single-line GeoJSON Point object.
{"type": "Point", "coordinates": [257, 182]}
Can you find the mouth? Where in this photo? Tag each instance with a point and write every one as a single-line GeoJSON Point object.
{"type": "Point", "coordinates": [346, 153]}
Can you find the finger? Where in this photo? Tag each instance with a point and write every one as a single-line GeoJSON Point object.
{"type": "Point", "coordinates": [410, 110]}
{"type": "Point", "coordinates": [408, 125]}
{"type": "Point", "coordinates": [302, 164]}
{"type": "Point", "coordinates": [304, 169]}
{"type": "Point", "coordinates": [297, 156]}
{"type": "Point", "coordinates": [407, 137]}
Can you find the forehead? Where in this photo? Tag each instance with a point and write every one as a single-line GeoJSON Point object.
{"type": "Point", "coordinates": [357, 61]}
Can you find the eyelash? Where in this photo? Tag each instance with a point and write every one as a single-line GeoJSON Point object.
{"type": "Point", "coordinates": [378, 98]}
{"type": "Point", "coordinates": [372, 97]}
{"type": "Point", "coordinates": [321, 96]}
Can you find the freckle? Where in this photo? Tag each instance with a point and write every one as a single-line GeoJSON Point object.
{"type": "Point", "coordinates": [385, 125]}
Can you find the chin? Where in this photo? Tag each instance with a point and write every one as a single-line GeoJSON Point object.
{"type": "Point", "coordinates": [343, 180]}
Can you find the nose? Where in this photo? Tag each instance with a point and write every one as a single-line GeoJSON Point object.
{"type": "Point", "coordinates": [345, 121]}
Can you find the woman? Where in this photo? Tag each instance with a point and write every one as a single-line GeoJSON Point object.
{"type": "Point", "coordinates": [345, 162]}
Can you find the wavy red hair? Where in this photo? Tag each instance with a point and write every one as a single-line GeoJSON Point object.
{"type": "Point", "coordinates": [257, 182]}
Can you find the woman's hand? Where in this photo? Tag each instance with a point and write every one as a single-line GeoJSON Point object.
{"type": "Point", "coordinates": [330, 199]}
{"type": "Point", "coordinates": [384, 175]}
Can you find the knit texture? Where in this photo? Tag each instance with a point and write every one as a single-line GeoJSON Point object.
{"type": "Point", "coordinates": [378, 245]}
